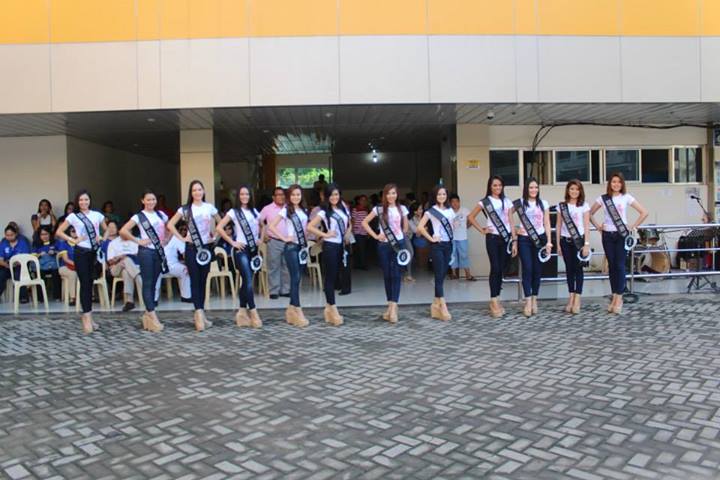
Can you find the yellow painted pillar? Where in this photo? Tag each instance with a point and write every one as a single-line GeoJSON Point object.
{"type": "Point", "coordinates": [197, 161]}
{"type": "Point", "coordinates": [473, 169]}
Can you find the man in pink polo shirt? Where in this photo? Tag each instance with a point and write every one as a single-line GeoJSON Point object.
{"type": "Point", "coordinates": [278, 275]}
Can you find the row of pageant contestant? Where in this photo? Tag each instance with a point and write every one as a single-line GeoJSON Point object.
{"type": "Point", "coordinates": [332, 226]}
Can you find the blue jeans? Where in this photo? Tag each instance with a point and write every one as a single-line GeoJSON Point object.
{"type": "Point", "coordinates": [293, 264]}
{"type": "Point", "coordinates": [332, 260]}
{"type": "Point", "coordinates": [497, 254]}
{"type": "Point", "coordinates": [614, 245]}
{"type": "Point", "coordinates": [391, 271]}
{"type": "Point", "coordinates": [440, 253]}
{"type": "Point", "coordinates": [242, 262]}
{"type": "Point", "coordinates": [150, 271]}
{"type": "Point", "coordinates": [573, 267]}
{"type": "Point", "coordinates": [198, 276]}
{"type": "Point", "coordinates": [531, 266]}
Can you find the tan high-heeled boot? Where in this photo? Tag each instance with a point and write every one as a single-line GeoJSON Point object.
{"type": "Point", "coordinates": [612, 303]}
{"type": "Point", "coordinates": [144, 318]}
{"type": "Point", "coordinates": [571, 302]}
{"type": "Point", "coordinates": [527, 309]}
{"type": "Point", "coordinates": [301, 320]}
{"type": "Point", "coordinates": [290, 315]}
{"type": "Point", "coordinates": [534, 305]}
{"type": "Point", "coordinates": [332, 317]}
{"type": "Point", "coordinates": [495, 311]}
{"type": "Point", "coordinates": [444, 312]}
{"type": "Point", "coordinates": [153, 323]}
{"type": "Point", "coordinates": [207, 322]}
{"type": "Point", "coordinates": [386, 315]}
{"type": "Point", "coordinates": [500, 306]}
{"type": "Point", "coordinates": [199, 323]}
{"type": "Point", "coordinates": [255, 321]}
{"type": "Point", "coordinates": [393, 316]}
{"type": "Point", "coordinates": [617, 309]}
{"type": "Point", "coordinates": [435, 309]}
{"type": "Point", "coordinates": [241, 318]}
{"type": "Point", "coordinates": [86, 323]}
{"type": "Point", "coordinates": [576, 304]}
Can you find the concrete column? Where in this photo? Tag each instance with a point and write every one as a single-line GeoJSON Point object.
{"type": "Point", "coordinates": [473, 169]}
{"type": "Point", "coordinates": [197, 161]}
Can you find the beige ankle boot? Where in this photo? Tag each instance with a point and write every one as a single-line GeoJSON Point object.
{"type": "Point", "coordinates": [386, 315]}
{"type": "Point", "coordinates": [290, 315]}
{"type": "Point", "coordinates": [199, 321]}
{"type": "Point", "coordinates": [576, 304]}
{"type": "Point", "coordinates": [87, 324]}
{"type": "Point", "coordinates": [300, 316]}
{"type": "Point", "coordinates": [534, 305]}
{"type": "Point", "coordinates": [153, 323]}
{"type": "Point", "coordinates": [393, 314]}
{"type": "Point", "coordinates": [571, 302]}
{"type": "Point", "coordinates": [444, 312]}
{"type": "Point", "coordinates": [241, 318]}
{"type": "Point", "coordinates": [255, 321]}
{"type": "Point", "coordinates": [332, 316]}
{"type": "Point", "coordinates": [435, 309]}
{"type": "Point", "coordinates": [527, 309]}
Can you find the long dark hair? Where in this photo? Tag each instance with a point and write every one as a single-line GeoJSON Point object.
{"type": "Point", "coordinates": [581, 198]}
{"type": "Point", "coordinates": [384, 201]}
{"type": "Point", "coordinates": [325, 205]}
{"type": "Point", "coordinates": [488, 191]}
{"type": "Point", "coordinates": [45, 200]}
{"type": "Point", "coordinates": [288, 204]}
{"type": "Point", "coordinates": [434, 195]}
{"type": "Point", "coordinates": [619, 175]}
{"type": "Point", "coordinates": [149, 191]}
{"type": "Point", "coordinates": [77, 200]}
{"type": "Point", "coordinates": [189, 195]}
{"type": "Point", "coordinates": [526, 193]}
{"type": "Point", "coordinates": [251, 202]}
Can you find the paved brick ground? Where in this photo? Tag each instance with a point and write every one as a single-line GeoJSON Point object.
{"type": "Point", "coordinates": [587, 397]}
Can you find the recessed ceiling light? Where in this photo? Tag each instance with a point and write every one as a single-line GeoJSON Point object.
{"type": "Point", "coordinates": [266, 130]}
{"type": "Point", "coordinates": [328, 114]}
{"type": "Point", "coordinates": [136, 145]}
{"type": "Point", "coordinates": [150, 119]}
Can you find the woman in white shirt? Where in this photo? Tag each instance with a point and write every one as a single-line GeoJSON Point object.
{"type": "Point", "coordinates": [336, 237]}
{"type": "Point", "coordinates": [537, 212]}
{"type": "Point", "coordinates": [394, 217]}
{"type": "Point", "coordinates": [294, 235]}
{"type": "Point", "coordinates": [495, 242]}
{"type": "Point", "coordinates": [245, 217]}
{"type": "Point", "coordinates": [88, 225]}
{"type": "Point", "coordinates": [613, 241]}
{"type": "Point", "coordinates": [205, 217]}
{"type": "Point", "coordinates": [579, 217]}
{"type": "Point", "coordinates": [440, 216]}
{"type": "Point", "coordinates": [151, 225]}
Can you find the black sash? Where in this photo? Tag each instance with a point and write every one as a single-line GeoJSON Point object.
{"type": "Point", "coordinates": [392, 239]}
{"type": "Point", "coordinates": [615, 215]}
{"type": "Point", "coordinates": [193, 229]}
{"type": "Point", "coordinates": [495, 219]}
{"type": "Point", "coordinates": [153, 236]}
{"type": "Point", "coordinates": [299, 232]}
{"type": "Point", "coordinates": [571, 227]}
{"type": "Point", "coordinates": [247, 231]}
{"type": "Point", "coordinates": [341, 225]}
{"type": "Point", "coordinates": [443, 220]}
{"type": "Point", "coordinates": [92, 235]}
{"type": "Point", "coordinates": [527, 224]}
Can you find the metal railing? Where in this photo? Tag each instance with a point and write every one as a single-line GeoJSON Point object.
{"type": "Point", "coordinates": [640, 249]}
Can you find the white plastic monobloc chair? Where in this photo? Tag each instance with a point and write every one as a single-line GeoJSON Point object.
{"type": "Point", "coordinates": [24, 261]}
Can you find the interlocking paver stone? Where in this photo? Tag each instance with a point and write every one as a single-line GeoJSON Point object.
{"type": "Point", "coordinates": [592, 396]}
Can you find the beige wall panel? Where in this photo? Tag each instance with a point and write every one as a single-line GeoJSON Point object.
{"type": "Point", "coordinates": [25, 78]}
{"type": "Point", "coordinates": [526, 58]}
{"type": "Point", "coordinates": [21, 158]}
{"type": "Point", "coordinates": [579, 69]}
{"type": "Point", "coordinates": [294, 71]}
{"type": "Point", "coordinates": [660, 69]}
{"type": "Point", "coordinates": [472, 69]}
{"type": "Point", "coordinates": [94, 76]}
{"type": "Point", "coordinates": [384, 69]}
{"type": "Point", "coordinates": [710, 51]}
{"type": "Point", "coordinates": [149, 75]}
{"type": "Point", "coordinates": [204, 73]}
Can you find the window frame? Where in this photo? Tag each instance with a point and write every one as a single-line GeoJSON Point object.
{"type": "Point", "coordinates": [588, 149]}
{"type": "Point", "coordinates": [519, 161]}
{"type": "Point", "coordinates": [603, 163]}
{"type": "Point", "coordinates": [672, 164]}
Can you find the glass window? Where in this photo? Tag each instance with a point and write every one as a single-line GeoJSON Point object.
{"type": "Point", "coordinates": [505, 164]}
{"type": "Point", "coordinates": [655, 165]}
{"type": "Point", "coordinates": [595, 166]}
{"type": "Point", "coordinates": [626, 162]}
{"type": "Point", "coordinates": [688, 165]}
{"type": "Point", "coordinates": [304, 176]}
{"type": "Point", "coordinates": [572, 164]}
{"type": "Point", "coordinates": [537, 166]}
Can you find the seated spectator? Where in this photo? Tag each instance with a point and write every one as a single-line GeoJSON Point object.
{"type": "Point", "coordinates": [45, 249]}
{"type": "Point", "coordinates": [66, 264]}
{"type": "Point", "coordinates": [175, 254]}
{"type": "Point", "coordinates": [228, 248]}
{"type": "Point", "coordinates": [44, 216]}
{"type": "Point", "coordinates": [120, 260]}
{"type": "Point", "coordinates": [69, 208]}
{"type": "Point", "coordinates": [108, 210]}
{"type": "Point", "coordinates": [12, 244]}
